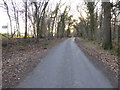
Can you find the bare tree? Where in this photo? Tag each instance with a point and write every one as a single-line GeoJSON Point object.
{"type": "Point", "coordinates": [8, 13]}
{"type": "Point", "coordinates": [91, 7]}
{"type": "Point", "coordinates": [38, 16]}
{"type": "Point", "coordinates": [16, 17]}
{"type": "Point", "coordinates": [43, 18]}
{"type": "Point", "coordinates": [55, 13]}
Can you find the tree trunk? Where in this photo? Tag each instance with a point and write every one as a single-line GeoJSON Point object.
{"type": "Point", "coordinates": [38, 28]}
{"type": "Point", "coordinates": [107, 42]}
{"type": "Point", "coordinates": [91, 7]}
{"type": "Point", "coordinates": [119, 41]}
{"type": "Point", "coordinates": [25, 19]}
{"type": "Point", "coordinates": [18, 25]}
{"type": "Point", "coordinates": [10, 25]}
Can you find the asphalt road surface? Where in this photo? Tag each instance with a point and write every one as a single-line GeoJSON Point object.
{"type": "Point", "coordinates": [65, 66]}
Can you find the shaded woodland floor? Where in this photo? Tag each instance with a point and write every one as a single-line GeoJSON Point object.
{"type": "Point", "coordinates": [20, 56]}
{"type": "Point", "coordinates": [104, 58]}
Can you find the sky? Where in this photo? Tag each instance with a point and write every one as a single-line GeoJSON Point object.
{"type": "Point", "coordinates": [73, 3]}
{"type": "Point", "coordinates": [73, 11]}
{"type": "Point", "coordinates": [4, 18]}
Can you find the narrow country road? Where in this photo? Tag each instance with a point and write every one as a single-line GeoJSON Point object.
{"type": "Point", "coordinates": [65, 66]}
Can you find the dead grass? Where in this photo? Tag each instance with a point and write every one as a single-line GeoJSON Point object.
{"type": "Point", "coordinates": [93, 49]}
{"type": "Point", "coordinates": [20, 56]}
